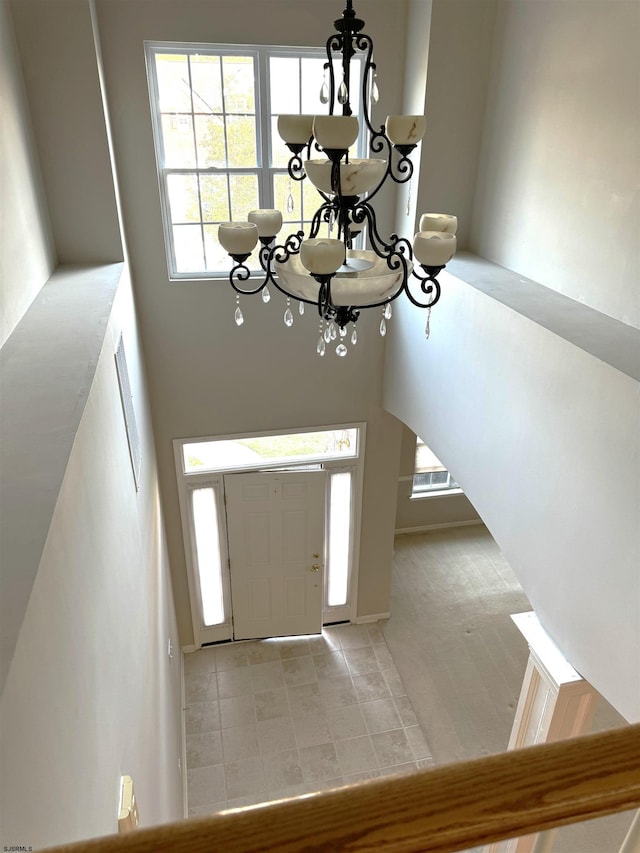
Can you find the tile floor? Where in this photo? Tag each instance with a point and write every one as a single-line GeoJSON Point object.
{"type": "Point", "coordinates": [267, 719]}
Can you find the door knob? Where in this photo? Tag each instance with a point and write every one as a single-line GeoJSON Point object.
{"type": "Point", "coordinates": [315, 567]}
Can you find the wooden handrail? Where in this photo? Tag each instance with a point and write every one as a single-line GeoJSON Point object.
{"type": "Point", "coordinates": [438, 810]}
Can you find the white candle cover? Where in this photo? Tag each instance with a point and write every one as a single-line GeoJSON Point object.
{"type": "Point", "coordinates": [434, 248]}
{"type": "Point", "coordinates": [238, 238]}
{"type": "Point", "coordinates": [405, 130]}
{"type": "Point", "coordinates": [295, 128]}
{"type": "Point", "coordinates": [269, 222]}
{"type": "Point", "coordinates": [322, 257]}
{"type": "Point", "coordinates": [439, 222]}
{"type": "Point", "coordinates": [335, 132]}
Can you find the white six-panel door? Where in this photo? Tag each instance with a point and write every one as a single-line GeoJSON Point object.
{"type": "Point", "coordinates": [275, 526]}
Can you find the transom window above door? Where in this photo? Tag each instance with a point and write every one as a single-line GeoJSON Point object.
{"type": "Point", "coordinates": [214, 110]}
{"type": "Point", "coordinates": [300, 448]}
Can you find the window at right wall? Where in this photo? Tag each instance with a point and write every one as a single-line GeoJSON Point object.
{"type": "Point", "coordinates": [429, 474]}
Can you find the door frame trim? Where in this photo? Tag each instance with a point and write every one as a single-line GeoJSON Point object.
{"type": "Point", "coordinates": [187, 481]}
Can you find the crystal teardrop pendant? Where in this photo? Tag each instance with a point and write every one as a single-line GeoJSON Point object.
{"type": "Point", "coordinates": [321, 348]}
{"type": "Point", "coordinates": [290, 203]}
{"type": "Point", "coordinates": [383, 327]}
{"type": "Point", "coordinates": [333, 332]}
{"type": "Point", "coordinates": [354, 336]}
{"type": "Point", "coordinates": [324, 93]}
{"type": "Point", "coordinates": [327, 334]}
{"type": "Point", "coordinates": [288, 318]}
{"type": "Point", "coordinates": [301, 308]}
{"type": "Point", "coordinates": [266, 295]}
{"type": "Point", "coordinates": [375, 92]}
{"type": "Point", "coordinates": [343, 332]}
{"type": "Point", "coordinates": [388, 311]}
{"type": "Point", "coordinates": [427, 329]}
{"type": "Point", "coordinates": [343, 93]}
{"type": "Point", "coordinates": [239, 318]}
{"type": "Point", "coordinates": [341, 350]}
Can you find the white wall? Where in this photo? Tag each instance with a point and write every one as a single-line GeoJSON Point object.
{"type": "Point", "coordinates": [208, 377]}
{"type": "Point", "coordinates": [558, 194]}
{"type": "Point", "coordinates": [57, 52]}
{"type": "Point", "coordinates": [544, 440]}
{"type": "Point", "coordinates": [541, 434]}
{"type": "Point", "coordinates": [91, 693]}
{"type": "Point", "coordinates": [23, 204]}
{"type": "Point", "coordinates": [459, 43]}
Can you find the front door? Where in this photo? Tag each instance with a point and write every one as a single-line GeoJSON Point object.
{"type": "Point", "coordinates": [275, 526]}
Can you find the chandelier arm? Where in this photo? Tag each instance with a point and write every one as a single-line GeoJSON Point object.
{"type": "Point", "coordinates": [295, 168]}
{"type": "Point", "coordinates": [334, 44]}
{"type": "Point", "coordinates": [382, 248]}
{"type": "Point", "coordinates": [241, 273]}
{"type": "Point", "coordinates": [365, 43]}
{"type": "Point", "coordinates": [429, 285]}
{"type": "Point", "coordinates": [323, 212]}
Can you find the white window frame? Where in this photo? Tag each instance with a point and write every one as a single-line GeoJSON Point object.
{"type": "Point", "coordinates": [264, 171]}
{"type": "Point", "coordinates": [437, 491]}
{"type": "Point", "coordinates": [187, 482]}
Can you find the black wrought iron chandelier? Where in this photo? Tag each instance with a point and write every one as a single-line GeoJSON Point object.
{"type": "Point", "coordinates": [328, 272]}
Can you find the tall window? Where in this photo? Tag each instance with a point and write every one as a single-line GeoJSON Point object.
{"type": "Point", "coordinates": [214, 110]}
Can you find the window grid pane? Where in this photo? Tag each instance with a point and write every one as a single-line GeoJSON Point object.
{"type": "Point", "coordinates": [207, 117]}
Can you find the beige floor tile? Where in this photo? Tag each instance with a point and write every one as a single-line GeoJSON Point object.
{"type": "Point", "coordinates": [346, 722]}
{"type": "Point", "coordinates": [312, 729]}
{"type": "Point", "coordinates": [270, 704]}
{"type": "Point", "coordinates": [206, 785]}
{"type": "Point", "coordinates": [319, 763]}
{"type": "Point", "coordinates": [299, 670]}
{"type": "Point", "coordinates": [356, 755]}
{"type": "Point", "coordinates": [236, 711]}
{"type": "Point", "coordinates": [245, 778]}
{"type": "Point", "coordinates": [283, 770]}
{"type": "Point", "coordinates": [391, 748]}
{"type": "Point", "coordinates": [240, 742]}
{"type": "Point", "coordinates": [204, 749]}
{"type": "Point", "coordinates": [276, 735]}
{"type": "Point", "coordinates": [381, 715]}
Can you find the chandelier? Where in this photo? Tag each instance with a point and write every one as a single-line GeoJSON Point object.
{"type": "Point", "coordinates": [328, 272]}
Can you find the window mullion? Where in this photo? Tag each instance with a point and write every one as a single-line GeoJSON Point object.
{"type": "Point", "coordinates": [195, 148]}
{"type": "Point", "coordinates": [263, 129]}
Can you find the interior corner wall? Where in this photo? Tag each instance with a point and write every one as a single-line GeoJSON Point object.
{"type": "Point", "coordinates": [92, 693]}
{"type": "Point", "coordinates": [58, 58]}
{"type": "Point", "coordinates": [23, 206]}
{"type": "Point", "coordinates": [432, 511]}
{"type": "Point", "coordinates": [459, 44]}
{"type": "Point", "coordinates": [207, 377]}
{"type": "Point", "coordinates": [558, 196]}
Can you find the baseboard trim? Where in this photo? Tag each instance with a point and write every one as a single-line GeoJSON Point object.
{"type": "Point", "coordinates": [426, 527]}
{"type": "Point", "coordinates": [183, 762]}
{"type": "Point", "coordinates": [373, 617]}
